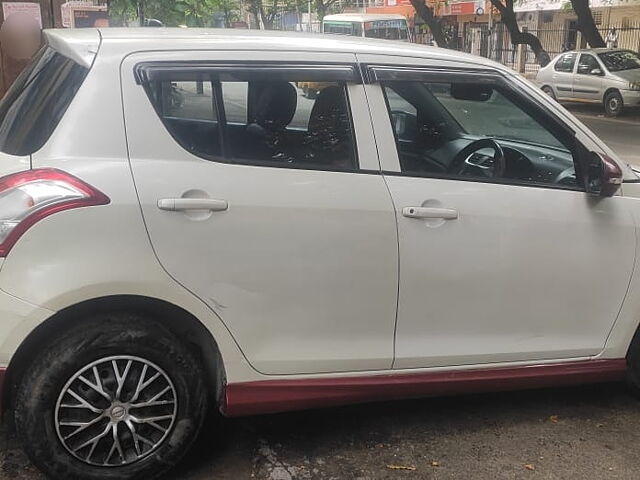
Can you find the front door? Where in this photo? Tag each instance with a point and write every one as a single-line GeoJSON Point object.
{"type": "Point", "coordinates": [266, 204]}
{"type": "Point", "coordinates": [503, 256]}
{"type": "Point", "coordinates": [587, 82]}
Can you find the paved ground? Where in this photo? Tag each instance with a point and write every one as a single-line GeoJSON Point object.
{"type": "Point", "coordinates": [579, 433]}
{"type": "Point", "coordinates": [621, 134]}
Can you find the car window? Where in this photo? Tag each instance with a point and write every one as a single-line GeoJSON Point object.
{"type": "Point", "coordinates": [588, 64]}
{"type": "Point", "coordinates": [565, 63]}
{"type": "Point", "coordinates": [296, 123]}
{"type": "Point", "coordinates": [386, 29]}
{"type": "Point", "coordinates": [343, 28]}
{"type": "Point", "coordinates": [438, 134]}
{"type": "Point", "coordinates": [189, 100]}
{"type": "Point", "coordinates": [189, 112]}
{"type": "Point", "coordinates": [34, 105]}
{"type": "Point", "coordinates": [235, 101]}
{"type": "Point", "coordinates": [620, 60]}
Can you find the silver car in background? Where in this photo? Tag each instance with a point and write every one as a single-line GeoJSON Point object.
{"type": "Point", "coordinates": [602, 75]}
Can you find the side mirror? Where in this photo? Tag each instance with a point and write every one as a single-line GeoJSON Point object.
{"type": "Point", "coordinates": [604, 176]}
{"type": "Point", "coordinates": [597, 71]}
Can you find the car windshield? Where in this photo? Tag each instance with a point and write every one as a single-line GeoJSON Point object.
{"type": "Point", "coordinates": [37, 100]}
{"type": "Point", "coordinates": [620, 60]}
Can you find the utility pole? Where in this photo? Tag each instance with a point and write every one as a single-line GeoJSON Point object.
{"type": "Point", "coordinates": [309, 16]}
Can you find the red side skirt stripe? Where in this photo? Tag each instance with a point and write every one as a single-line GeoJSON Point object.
{"type": "Point", "coordinates": [270, 396]}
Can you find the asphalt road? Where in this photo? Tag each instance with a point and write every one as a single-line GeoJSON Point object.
{"type": "Point", "coordinates": [621, 134]}
{"type": "Point", "coordinates": [579, 433]}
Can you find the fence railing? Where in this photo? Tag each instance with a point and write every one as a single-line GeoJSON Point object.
{"type": "Point", "coordinates": [496, 43]}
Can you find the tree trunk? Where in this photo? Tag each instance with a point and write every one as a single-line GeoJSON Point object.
{"type": "Point", "coordinates": [321, 9]}
{"type": "Point", "coordinates": [586, 24]}
{"type": "Point", "coordinates": [426, 13]}
{"type": "Point", "coordinates": [518, 37]}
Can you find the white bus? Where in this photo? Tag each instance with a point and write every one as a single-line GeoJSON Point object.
{"type": "Point", "coordinates": [386, 26]}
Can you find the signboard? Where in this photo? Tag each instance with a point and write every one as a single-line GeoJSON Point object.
{"type": "Point", "coordinates": [556, 5]}
{"type": "Point", "coordinates": [462, 8]}
{"type": "Point", "coordinates": [23, 9]}
{"type": "Point", "coordinates": [67, 11]}
{"type": "Point", "coordinates": [87, 18]}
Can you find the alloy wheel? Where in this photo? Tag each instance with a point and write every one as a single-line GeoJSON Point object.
{"type": "Point", "coordinates": [115, 411]}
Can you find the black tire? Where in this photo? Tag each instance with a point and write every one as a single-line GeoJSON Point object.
{"type": "Point", "coordinates": [633, 365]}
{"type": "Point", "coordinates": [549, 91]}
{"type": "Point", "coordinates": [613, 104]}
{"type": "Point", "coordinates": [98, 338]}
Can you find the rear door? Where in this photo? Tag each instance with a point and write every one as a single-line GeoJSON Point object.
{"type": "Point", "coordinates": [563, 75]}
{"type": "Point", "coordinates": [267, 205]}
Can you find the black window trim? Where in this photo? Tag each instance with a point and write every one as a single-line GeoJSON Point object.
{"type": "Point", "coordinates": [145, 72]}
{"type": "Point", "coordinates": [148, 73]}
{"type": "Point", "coordinates": [378, 73]}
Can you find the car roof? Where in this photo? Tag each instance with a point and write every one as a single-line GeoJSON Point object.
{"type": "Point", "coordinates": [598, 50]}
{"type": "Point", "coordinates": [364, 17]}
{"type": "Point", "coordinates": [78, 42]}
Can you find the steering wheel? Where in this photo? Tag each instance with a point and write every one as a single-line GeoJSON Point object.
{"type": "Point", "coordinates": [459, 162]}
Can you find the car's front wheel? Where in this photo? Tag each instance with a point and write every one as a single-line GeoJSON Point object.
{"type": "Point", "coordinates": [116, 397]}
{"type": "Point", "coordinates": [549, 91]}
{"type": "Point", "coordinates": [613, 104]}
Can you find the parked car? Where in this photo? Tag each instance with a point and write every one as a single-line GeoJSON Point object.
{"type": "Point", "coordinates": [601, 75]}
{"type": "Point", "coordinates": [429, 224]}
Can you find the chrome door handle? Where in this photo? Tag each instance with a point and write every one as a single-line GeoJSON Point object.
{"type": "Point", "coordinates": [430, 212]}
{"type": "Point", "coordinates": [183, 204]}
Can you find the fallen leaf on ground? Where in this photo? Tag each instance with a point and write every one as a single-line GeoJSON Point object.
{"type": "Point", "coordinates": [530, 466]}
{"type": "Point", "coordinates": [553, 418]}
{"type": "Point", "coordinates": [400, 467]}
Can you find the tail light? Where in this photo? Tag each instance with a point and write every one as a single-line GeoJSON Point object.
{"type": "Point", "coordinates": [28, 197]}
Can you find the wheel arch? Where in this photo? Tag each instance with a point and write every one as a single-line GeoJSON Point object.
{"type": "Point", "coordinates": [177, 320]}
{"type": "Point", "coordinates": [608, 91]}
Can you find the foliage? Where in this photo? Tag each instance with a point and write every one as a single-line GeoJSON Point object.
{"type": "Point", "coordinates": [195, 13]}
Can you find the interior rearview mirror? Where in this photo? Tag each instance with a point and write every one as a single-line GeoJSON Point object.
{"type": "Point", "coordinates": [471, 92]}
{"type": "Point", "coordinates": [604, 176]}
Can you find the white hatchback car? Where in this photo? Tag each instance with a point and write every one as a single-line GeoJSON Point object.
{"type": "Point", "coordinates": [181, 228]}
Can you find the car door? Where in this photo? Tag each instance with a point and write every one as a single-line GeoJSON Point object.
{"type": "Point", "coordinates": [499, 261]}
{"type": "Point", "coordinates": [267, 205]}
{"type": "Point", "coordinates": [588, 80]}
{"type": "Point", "coordinates": [562, 75]}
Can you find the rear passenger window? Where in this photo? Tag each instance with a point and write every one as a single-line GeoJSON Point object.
{"type": "Point", "coordinates": [565, 63]}
{"type": "Point", "coordinates": [189, 100]}
{"type": "Point", "coordinates": [188, 110]}
{"type": "Point", "coordinates": [290, 122]}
